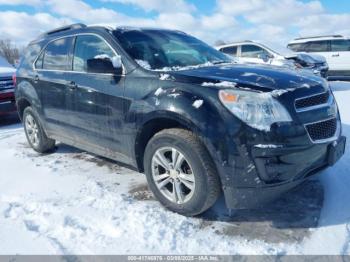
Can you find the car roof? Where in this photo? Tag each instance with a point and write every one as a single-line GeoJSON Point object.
{"type": "Point", "coordinates": [316, 38]}
{"type": "Point", "coordinates": [65, 30]}
{"type": "Point", "coordinates": [130, 28]}
{"type": "Point", "coordinates": [238, 43]}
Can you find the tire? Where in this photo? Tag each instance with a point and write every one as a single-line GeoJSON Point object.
{"type": "Point", "coordinates": [194, 164]}
{"type": "Point", "coordinates": [35, 133]}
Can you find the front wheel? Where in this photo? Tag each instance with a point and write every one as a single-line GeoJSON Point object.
{"type": "Point", "coordinates": [35, 134]}
{"type": "Point", "coordinates": [180, 172]}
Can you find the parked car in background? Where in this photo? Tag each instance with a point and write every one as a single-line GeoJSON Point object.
{"type": "Point", "coordinates": [335, 48]}
{"type": "Point", "coordinates": [169, 105]}
{"type": "Point", "coordinates": [7, 97]}
{"type": "Point", "coordinates": [254, 52]}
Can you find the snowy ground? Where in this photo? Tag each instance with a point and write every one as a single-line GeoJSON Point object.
{"type": "Point", "coordinates": [72, 202]}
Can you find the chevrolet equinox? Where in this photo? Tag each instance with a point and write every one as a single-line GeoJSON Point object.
{"type": "Point", "coordinates": [166, 104]}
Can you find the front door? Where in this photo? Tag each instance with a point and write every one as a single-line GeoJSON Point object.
{"type": "Point", "coordinates": [96, 104]}
{"type": "Point", "coordinates": [254, 54]}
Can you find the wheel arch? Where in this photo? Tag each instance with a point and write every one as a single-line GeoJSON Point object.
{"type": "Point", "coordinates": [22, 104]}
{"type": "Point", "coordinates": [152, 127]}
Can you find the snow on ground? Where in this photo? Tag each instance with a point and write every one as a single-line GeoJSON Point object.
{"type": "Point", "coordinates": [72, 202]}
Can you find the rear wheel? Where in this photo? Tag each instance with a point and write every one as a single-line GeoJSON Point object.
{"type": "Point", "coordinates": [180, 172]}
{"type": "Point", "coordinates": [35, 134]}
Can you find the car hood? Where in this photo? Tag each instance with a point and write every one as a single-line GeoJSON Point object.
{"type": "Point", "coordinates": [257, 77]}
{"type": "Point", "coordinates": [7, 71]}
{"type": "Point", "coordinates": [308, 58]}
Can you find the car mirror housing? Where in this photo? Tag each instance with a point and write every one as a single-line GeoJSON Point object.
{"type": "Point", "coordinates": [265, 57]}
{"type": "Point", "coordinates": [105, 65]}
{"type": "Point", "coordinates": [117, 62]}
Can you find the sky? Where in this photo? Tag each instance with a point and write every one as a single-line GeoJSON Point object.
{"type": "Point", "coordinates": [273, 22]}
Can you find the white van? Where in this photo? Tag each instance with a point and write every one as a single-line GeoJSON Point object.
{"type": "Point", "coordinates": [335, 48]}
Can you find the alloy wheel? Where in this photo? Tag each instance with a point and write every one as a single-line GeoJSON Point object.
{"type": "Point", "coordinates": [32, 129]}
{"type": "Point", "coordinates": [173, 175]}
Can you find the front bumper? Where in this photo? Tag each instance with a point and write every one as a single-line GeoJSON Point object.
{"type": "Point", "coordinates": [7, 103]}
{"type": "Point", "coordinates": [279, 169]}
{"type": "Point", "coordinates": [322, 71]}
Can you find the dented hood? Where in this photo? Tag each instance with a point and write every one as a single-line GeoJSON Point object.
{"type": "Point", "coordinates": [262, 78]}
{"type": "Point", "coordinates": [308, 58]}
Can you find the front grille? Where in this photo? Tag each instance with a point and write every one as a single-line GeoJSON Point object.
{"type": "Point", "coordinates": [311, 101]}
{"type": "Point", "coordinates": [6, 83]}
{"type": "Point", "coordinates": [322, 130]}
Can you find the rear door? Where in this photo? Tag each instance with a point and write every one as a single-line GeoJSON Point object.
{"type": "Point", "coordinates": [51, 80]}
{"type": "Point", "coordinates": [340, 52]}
{"type": "Point", "coordinates": [96, 103]}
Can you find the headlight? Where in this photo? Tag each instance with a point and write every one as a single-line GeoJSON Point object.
{"type": "Point", "coordinates": [258, 110]}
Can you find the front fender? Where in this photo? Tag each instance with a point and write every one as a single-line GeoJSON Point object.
{"type": "Point", "coordinates": [200, 111]}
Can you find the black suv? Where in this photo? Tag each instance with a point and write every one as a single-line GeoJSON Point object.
{"type": "Point", "coordinates": [170, 106]}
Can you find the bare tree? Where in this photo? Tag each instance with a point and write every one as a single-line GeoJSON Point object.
{"type": "Point", "coordinates": [9, 51]}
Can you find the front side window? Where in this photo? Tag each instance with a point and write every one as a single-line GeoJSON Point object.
{"type": "Point", "coordinates": [317, 46]}
{"type": "Point", "coordinates": [340, 45]}
{"type": "Point", "coordinates": [56, 56]}
{"type": "Point", "coordinates": [253, 51]}
{"type": "Point", "coordinates": [87, 48]}
{"type": "Point", "coordinates": [230, 50]}
{"type": "Point", "coordinates": [167, 50]}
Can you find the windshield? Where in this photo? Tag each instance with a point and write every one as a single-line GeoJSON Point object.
{"type": "Point", "coordinates": [168, 50]}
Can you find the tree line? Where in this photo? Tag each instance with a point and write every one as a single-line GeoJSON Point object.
{"type": "Point", "coordinates": [9, 51]}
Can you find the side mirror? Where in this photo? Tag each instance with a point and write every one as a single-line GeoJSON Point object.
{"type": "Point", "coordinates": [117, 62]}
{"type": "Point", "coordinates": [105, 65]}
{"type": "Point", "coordinates": [265, 57]}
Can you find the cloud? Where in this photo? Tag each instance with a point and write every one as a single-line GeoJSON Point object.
{"type": "Point", "coordinates": [168, 6]}
{"type": "Point", "coordinates": [284, 12]}
{"type": "Point", "coordinates": [218, 21]}
{"type": "Point", "coordinates": [272, 21]}
{"type": "Point", "coordinates": [81, 11]}
{"type": "Point", "coordinates": [22, 27]}
{"type": "Point", "coordinates": [324, 24]}
{"type": "Point", "coordinates": [20, 2]}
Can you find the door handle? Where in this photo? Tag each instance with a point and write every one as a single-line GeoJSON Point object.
{"type": "Point", "coordinates": [36, 79]}
{"type": "Point", "coordinates": [72, 85]}
{"type": "Point", "coordinates": [335, 55]}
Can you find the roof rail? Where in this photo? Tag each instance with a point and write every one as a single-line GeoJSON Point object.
{"type": "Point", "coordinates": [312, 37]}
{"type": "Point", "coordinates": [63, 28]}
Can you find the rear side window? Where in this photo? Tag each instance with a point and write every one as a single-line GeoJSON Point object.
{"type": "Point", "coordinates": [231, 50]}
{"type": "Point", "coordinates": [30, 55]}
{"type": "Point", "coordinates": [340, 45]}
{"type": "Point", "coordinates": [252, 51]}
{"type": "Point", "coordinates": [39, 61]}
{"type": "Point", "coordinates": [318, 46]}
{"type": "Point", "coordinates": [89, 47]}
{"type": "Point", "coordinates": [297, 47]}
{"type": "Point", "coordinates": [56, 55]}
